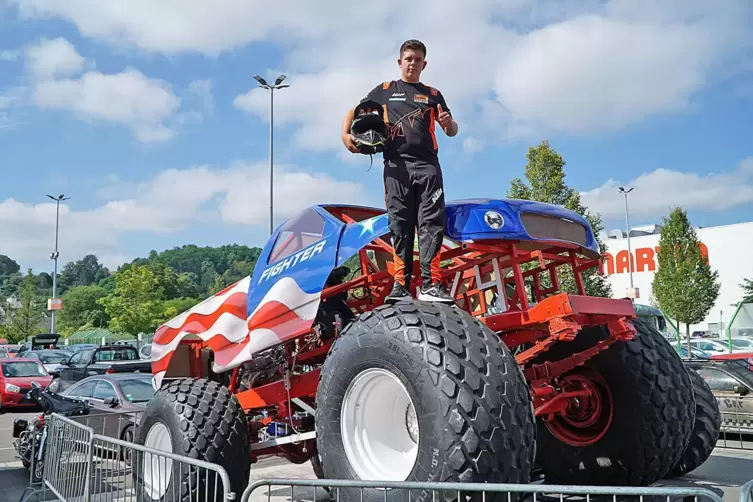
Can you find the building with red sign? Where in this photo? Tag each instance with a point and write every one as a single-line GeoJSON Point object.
{"type": "Point", "coordinates": [728, 247]}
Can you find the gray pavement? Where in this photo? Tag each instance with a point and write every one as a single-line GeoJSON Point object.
{"type": "Point", "coordinates": [723, 473]}
{"type": "Point", "coordinates": [14, 478]}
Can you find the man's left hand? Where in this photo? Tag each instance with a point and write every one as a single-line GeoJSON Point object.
{"type": "Point", "coordinates": [445, 120]}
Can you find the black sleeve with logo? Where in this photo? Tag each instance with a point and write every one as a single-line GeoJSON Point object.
{"type": "Point", "coordinates": [411, 111]}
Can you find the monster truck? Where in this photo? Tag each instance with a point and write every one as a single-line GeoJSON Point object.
{"type": "Point", "coordinates": [304, 359]}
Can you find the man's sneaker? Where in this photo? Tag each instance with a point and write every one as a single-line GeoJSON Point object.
{"type": "Point", "coordinates": [399, 292]}
{"type": "Point", "coordinates": [434, 293]}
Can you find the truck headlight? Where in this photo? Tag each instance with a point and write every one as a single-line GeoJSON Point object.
{"type": "Point", "coordinates": [494, 220]}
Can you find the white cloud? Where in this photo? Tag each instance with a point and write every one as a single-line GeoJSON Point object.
{"type": "Point", "coordinates": [172, 26]}
{"type": "Point", "coordinates": [149, 107]}
{"type": "Point", "coordinates": [472, 145]}
{"type": "Point", "coordinates": [127, 98]}
{"type": "Point", "coordinates": [49, 59]}
{"type": "Point", "coordinates": [247, 199]}
{"type": "Point", "coordinates": [509, 69]}
{"type": "Point", "coordinates": [656, 192]}
{"type": "Point", "coordinates": [170, 203]}
{"type": "Point", "coordinates": [603, 69]}
{"type": "Point", "coordinates": [202, 89]}
{"type": "Point", "coordinates": [9, 54]}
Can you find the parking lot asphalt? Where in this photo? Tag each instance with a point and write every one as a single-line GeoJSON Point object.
{"type": "Point", "coordinates": [14, 478]}
{"type": "Point", "coordinates": [724, 472]}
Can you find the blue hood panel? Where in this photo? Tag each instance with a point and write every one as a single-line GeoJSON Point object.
{"type": "Point", "coordinates": [521, 220]}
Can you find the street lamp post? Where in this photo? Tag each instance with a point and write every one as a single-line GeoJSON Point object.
{"type": "Point", "coordinates": [55, 254]}
{"type": "Point", "coordinates": [271, 88]}
{"type": "Point", "coordinates": [627, 222]}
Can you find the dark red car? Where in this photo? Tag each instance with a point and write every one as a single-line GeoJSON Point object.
{"type": "Point", "coordinates": [16, 376]}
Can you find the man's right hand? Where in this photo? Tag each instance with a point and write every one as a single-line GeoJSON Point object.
{"type": "Point", "coordinates": [350, 143]}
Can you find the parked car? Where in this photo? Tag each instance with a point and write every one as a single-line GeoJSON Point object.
{"type": "Point", "coordinates": [102, 360]}
{"type": "Point", "coordinates": [683, 351]}
{"type": "Point", "coordinates": [117, 401]}
{"type": "Point", "coordinates": [16, 377]}
{"type": "Point", "coordinates": [710, 346]}
{"type": "Point", "coordinates": [730, 377]}
{"type": "Point", "coordinates": [741, 343]}
{"type": "Point", "coordinates": [722, 345]}
{"type": "Point", "coordinates": [81, 346]}
{"type": "Point", "coordinates": [41, 341]}
{"type": "Point", "coordinates": [50, 358]}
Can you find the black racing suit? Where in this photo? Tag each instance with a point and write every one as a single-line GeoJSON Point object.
{"type": "Point", "coordinates": [414, 190]}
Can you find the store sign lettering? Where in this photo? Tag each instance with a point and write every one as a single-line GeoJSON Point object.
{"type": "Point", "coordinates": [642, 260]}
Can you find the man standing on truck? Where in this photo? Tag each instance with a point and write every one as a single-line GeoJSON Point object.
{"type": "Point", "coordinates": [413, 185]}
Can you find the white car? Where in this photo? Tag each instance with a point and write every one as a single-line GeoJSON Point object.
{"type": "Point", "coordinates": [742, 344]}
{"type": "Point", "coordinates": [721, 345]}
{"type": "Point", "coordinates": [50, 358]}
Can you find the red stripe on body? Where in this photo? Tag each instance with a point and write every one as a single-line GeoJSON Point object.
{"type": "Point", "coordinates": [197, 323]}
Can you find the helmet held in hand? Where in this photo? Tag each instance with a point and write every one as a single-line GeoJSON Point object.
{"type": "Point", "coordinates": [368, 127]}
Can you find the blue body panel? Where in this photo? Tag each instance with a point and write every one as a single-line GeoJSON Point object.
{"type": "Point", "coordinates": [309, 266]}
{"type": "Point", "coordinates": [336, 242]}
{"type": "Point", "coordinates": [465, 220]}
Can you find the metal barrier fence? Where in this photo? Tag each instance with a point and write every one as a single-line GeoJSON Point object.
{"type": "Point", "coordinates": [80, 465]}
{"type": "Point", "coordinates": [737, 422]}
{"type": "Point", "coordinates": [115, 424]}
{"type": "Point", "coordinates": [341, 490]}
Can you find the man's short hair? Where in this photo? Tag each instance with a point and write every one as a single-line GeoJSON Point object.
{"type": "Point", "coordinates": [414, 44]}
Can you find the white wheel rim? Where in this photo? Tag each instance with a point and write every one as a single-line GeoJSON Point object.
{"type": "Point", "coordinates": [379, 427]}
{"type": "Point", "coordinates": [157, 469]}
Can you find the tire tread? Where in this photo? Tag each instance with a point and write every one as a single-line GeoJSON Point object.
{"type": "Point", "coordinates": [483, 396]}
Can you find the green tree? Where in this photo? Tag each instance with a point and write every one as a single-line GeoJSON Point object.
{"type": "Point", "coordinates": [135, 305]}
{"type": "Point", "coordinates": [83, 272]}
{"type": "Point", "coordinates": [747, 286]}
{"type": "Point", "coordinates": [545, 175]}
{"type": "Point", "coordinates": [8, 267]}
{"type": "Point", "coordinates": [11, 284]}
{"type": "Point", "coordinates": [174, 285]}
{"type": "Point", "coordinates": [207, 267]}
{"type": "Point", "coordinates": [685, 286]}
{"type": "Point", "coordinates": [28, 316]}
{"type": "Point", "coordinates": [81, 307]}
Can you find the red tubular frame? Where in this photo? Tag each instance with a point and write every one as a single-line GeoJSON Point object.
{"type": "Point", "coordinates": [529, 329]}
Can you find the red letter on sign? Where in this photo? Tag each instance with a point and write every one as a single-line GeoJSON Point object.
{"type": "Point", "coordinates": [644, 258]}
{"type": "Point", "coordinates": [621, 263]}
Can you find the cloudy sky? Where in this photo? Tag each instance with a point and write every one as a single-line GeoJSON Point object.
{"type": "Point", "coordinates": [145, 113]}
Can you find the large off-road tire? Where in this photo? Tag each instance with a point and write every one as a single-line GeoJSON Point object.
{"type": "Point", "coordinates": [646, 411]}
{"type": "Point", "coordinates": [422, 392]}
{"type": "Point", "coordinates": [708, 422]}
{"type": "Point", "coordinates": [199, 419]}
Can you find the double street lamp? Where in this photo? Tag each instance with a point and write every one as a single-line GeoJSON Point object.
{"type": "Point", "coordinates": [54, 256]}
{"type": "Point", "coordinates": [271, 88]}
{"type": "Point", "coordinates": [627, 221]}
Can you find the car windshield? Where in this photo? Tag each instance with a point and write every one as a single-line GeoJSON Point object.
{"type": "Point", "coordinates": [117, 354]}
{"type": "Point", "coordinates": [52, 356]}
{"type": "Point", "coordinates": [23, 369]}
{"type": "Point", "coordinates": [137, 390]}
